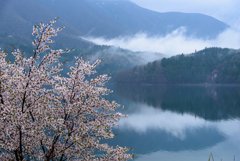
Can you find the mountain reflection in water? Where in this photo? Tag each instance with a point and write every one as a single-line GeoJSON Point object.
{"type": "Point", "coordinates": [178, 122]}
{"type": "Point", "coordinates": [213, 102]}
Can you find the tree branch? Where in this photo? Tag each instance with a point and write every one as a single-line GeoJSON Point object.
{"type": "Point", "coordinates": [16, 155]}
{"type": "Point", "coordinates": [30, 70]}
{"type": "Point", "coordinates": [32, 116]}
{"type": "Point", "coordinates": [42, 147]}
{"type": "Point", "coordinates": [20, 144]}
{"type": "Point", "coordinates": [1, 96]}
{"type": "Point", "coordinates": [24, 99]}
{"type": "Point", "coordinates": [66, 142]}
{"type": "Point", "coordinates": [51, 152]}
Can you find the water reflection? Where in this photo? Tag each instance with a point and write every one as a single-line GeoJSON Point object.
{"type": "Point", "coordinates": [208, 102]}
{"type": "Point", "coordinates": [179, 122]}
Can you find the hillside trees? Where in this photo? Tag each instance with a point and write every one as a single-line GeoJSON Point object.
{"type": "Point", "coordinates": [45, 116]}
{"type": "Point", "coordinates": [211, 65]}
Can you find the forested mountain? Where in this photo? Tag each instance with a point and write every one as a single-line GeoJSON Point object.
{"type": "Point", "coordinates": [18, 17]}
{"type": "Point", "coordinates": [108, 18]}
{"type": "Point", "coordinates": [114, 58]}
{"type": "Point", "coordinates": [211, 65]}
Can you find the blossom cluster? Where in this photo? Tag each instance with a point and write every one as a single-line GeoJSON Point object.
{"type": "Point", "coordinates": [45, 116]}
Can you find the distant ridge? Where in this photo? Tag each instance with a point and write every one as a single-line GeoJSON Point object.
{"type": "Point", "coordinates": [98, 18]}
{"type": "Point", "coordinates": [18, 17]}
{"type": "Point", "coordinates": [113, 18]}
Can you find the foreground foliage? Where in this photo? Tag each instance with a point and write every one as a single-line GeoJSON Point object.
{"type": "Point", "coordinates": [44, 116]}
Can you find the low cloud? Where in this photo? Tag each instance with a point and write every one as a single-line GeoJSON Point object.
{"type": "Point", "coordinates": [148, 117]}
{"type": "Point", "coordinates": [173, 43]}
{"type": "Point", "coordinates": [151, 118]}
{"type": "Point", "coordinates": [136, 58]}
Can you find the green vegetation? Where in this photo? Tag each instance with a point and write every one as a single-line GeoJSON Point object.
{"type": "Point", "coordinates": [211, 65]}
{"type": "Point", "coordinates": [210, 157]}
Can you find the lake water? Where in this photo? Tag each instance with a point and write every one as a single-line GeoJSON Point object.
{"type": "Point", "coordinates": [179, 122]}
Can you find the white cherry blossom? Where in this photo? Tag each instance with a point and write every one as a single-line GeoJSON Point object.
{"type": "Point", "coordinates": [44, 116]}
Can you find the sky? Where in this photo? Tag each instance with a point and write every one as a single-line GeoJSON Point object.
{"type": "Point", "coordinates": [224, 10]}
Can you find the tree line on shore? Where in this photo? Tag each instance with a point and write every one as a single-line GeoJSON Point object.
{"type": "Point", "coordinates": [211, 65]}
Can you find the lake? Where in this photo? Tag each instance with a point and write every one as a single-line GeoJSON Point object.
{"type": "Point", "coordinates": [179, 122]}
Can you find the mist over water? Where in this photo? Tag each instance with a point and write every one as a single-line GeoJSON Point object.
{"type": "Point", "coordinates": [172, 44]}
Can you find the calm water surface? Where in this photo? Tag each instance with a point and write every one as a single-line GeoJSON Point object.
{"type": "Point", "coordinates": [174, 123]}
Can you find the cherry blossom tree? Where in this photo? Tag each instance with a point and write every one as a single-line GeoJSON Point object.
{"type": "Point", "coordinates": [45, 116]}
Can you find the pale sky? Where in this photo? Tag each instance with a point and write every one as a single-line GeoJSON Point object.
{"type": "Point", "coordinates": [225, 10]}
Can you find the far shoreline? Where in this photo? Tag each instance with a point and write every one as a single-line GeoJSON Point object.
{"type": "Point", "coordinates": [177, 84]}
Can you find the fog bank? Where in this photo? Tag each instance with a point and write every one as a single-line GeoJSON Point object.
{"type": "Point", "coordinates": [173, 43]}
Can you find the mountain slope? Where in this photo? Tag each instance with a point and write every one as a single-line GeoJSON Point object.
{"type": "Point", "coordinates": [18, 17]}
{"type": "Point", "coordinates": [211, 65]}
{"type": "Point", "coordinates": [108, 18]}
{"type": "Point", "coordinates": [113, 18]}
